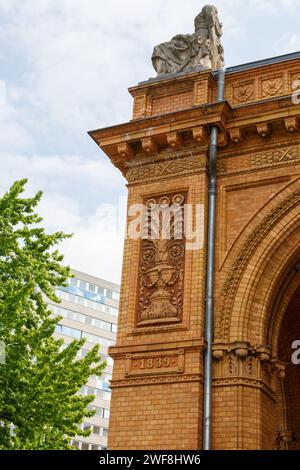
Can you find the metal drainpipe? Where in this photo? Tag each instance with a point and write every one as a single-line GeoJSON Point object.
{"type": "Point", "coordinates": [210, 268]}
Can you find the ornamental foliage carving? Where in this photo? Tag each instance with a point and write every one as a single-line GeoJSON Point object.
{"type": "Point", "coordinates": [272, 87]}
{"type": "Point", "coordinates": [250, 364]}
{"type": "Point", "coordinates": [243, 93]}
{"type": "Point", "coordinates": [161, 265]}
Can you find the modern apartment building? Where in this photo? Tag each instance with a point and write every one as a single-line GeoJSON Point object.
{"type": "Point", "coordinates": [89, 307]}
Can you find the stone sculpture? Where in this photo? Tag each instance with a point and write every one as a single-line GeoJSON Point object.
{"type": "Point", "coordinates": [187, 52]}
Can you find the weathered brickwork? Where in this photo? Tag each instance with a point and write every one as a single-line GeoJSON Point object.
{"type": "Point", "coordinates": [157, 386]}
{"type": "Point", "coordinates": [260, 83]}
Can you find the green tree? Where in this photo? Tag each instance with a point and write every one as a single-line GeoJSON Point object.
{"type": "Point", "coordinates": [39, 405]}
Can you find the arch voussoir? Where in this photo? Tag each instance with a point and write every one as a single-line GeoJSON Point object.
{"type": "Point", "coordinates": [266, 248]}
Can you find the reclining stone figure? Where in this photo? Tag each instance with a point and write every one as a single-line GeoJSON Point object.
{"type": "Point", "coordinates": [186, 52]}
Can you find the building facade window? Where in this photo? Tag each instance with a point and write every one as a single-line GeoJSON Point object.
{"type": "Point", "coordinates": [75, 299]}
{"type": "Point", "coordinates": [87, 446]}
{"type": "Point", "coordinates": [95, 429]}
{"type": "Point", "coordinates": [82, 318]}
{"type": "Point", "coordinates": [82, 303]}
{"type": "Point", "coordinates": [104, 394]}
{"type": "Point", "coordinates": [78, 334]}
{"type": "Point", "coordinates": [90, 290]}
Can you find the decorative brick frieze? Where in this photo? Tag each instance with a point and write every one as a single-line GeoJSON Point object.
{"type": "Point", "coordinates": [171, 168]}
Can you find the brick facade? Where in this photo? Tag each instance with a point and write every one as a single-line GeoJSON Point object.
{"type": "Point", "coordinates": [158, 374]}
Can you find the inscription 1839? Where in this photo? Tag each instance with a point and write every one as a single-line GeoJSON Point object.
{"type": "Point", "coordinates": [154, 363]}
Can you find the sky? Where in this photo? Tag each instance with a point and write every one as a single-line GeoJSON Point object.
{"type": "Point", "coordinates": [65, 68]}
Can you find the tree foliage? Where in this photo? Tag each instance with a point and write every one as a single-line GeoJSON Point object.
{"type": "Point", "coordinates": [39, 405]}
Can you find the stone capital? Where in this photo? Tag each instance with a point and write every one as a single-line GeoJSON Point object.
{"type": "Point", "coordinates": [241, 362]}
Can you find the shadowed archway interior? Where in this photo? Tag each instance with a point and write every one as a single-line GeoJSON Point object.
{"type": "Point", "coordinates": [290, 405]}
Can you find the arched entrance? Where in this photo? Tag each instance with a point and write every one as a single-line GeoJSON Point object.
{"type": "Point", "coordinates": [258, 318]}
{"type": "Point", "coordinates": [288, 436]}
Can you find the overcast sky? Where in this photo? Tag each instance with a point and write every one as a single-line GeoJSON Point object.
{"type": "Point", "coordinates": [66, 66]}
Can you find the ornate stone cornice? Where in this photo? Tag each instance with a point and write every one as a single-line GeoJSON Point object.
{"type": "Point", "coordinates": [209, 113]}
{"type": "Point", "coordinates": [151, 135]}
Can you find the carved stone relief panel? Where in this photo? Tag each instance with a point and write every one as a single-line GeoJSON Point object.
{"type": "Point", "coordinates": [161, 264]}
{"type": "Point", "coordinates": [244, 92]}
{"type": "Point", "coordinates": [271, 87]}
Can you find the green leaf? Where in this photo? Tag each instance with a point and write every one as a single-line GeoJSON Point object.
{"type": "Point", "coordinates": [39, 403]}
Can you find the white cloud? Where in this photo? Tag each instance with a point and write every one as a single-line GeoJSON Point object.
{"type": "Point", "coordinates": [73, 202]}
{"type": "Point", "coordinates": [81, 56]}
{"type": "Point", "coordinates": [266, 6]}
{"type": "Point", "coordinates": [59, 212]}
{"type": "Point", "coordinates": [275, 6]}
{"type": "Point", "coordinates": [67, 66]}
{"type": "Point", "coordinates": [96, 249]}
{"type": "Point", "coordinates": [289, 43]}
{"type": "Point", "coordinates": [96, 246]}
{"type": "Point", "coordinates": [291, 5]}
{"type": "Point", "coordinates": [74, 174]}
{"type": "Point", "coordinates": [13, 134]}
